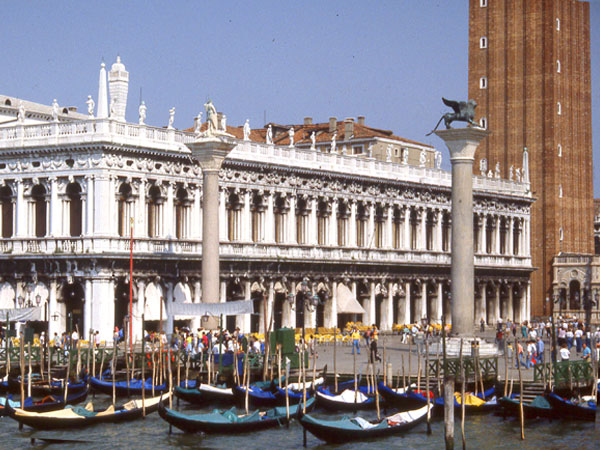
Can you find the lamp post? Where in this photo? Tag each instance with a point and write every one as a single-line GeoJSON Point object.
{"type": "Point", "coordinates": [305, 302]}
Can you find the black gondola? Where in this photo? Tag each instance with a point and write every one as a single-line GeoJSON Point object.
{"type": "Point", "coordinates": [538, 407]}
{"type": "Point", "coordinates": [205, 394]}
{"type": "Point", "coordinates": [357, 429]}
{"type": "Point", "coordinates": [404, 399]}
{"type": "Point", "coordinates": [121, 389]}
{"type": "Point", "coordinates": [48, 403]}
{"type": "Point", "coordinates": [566, 409]}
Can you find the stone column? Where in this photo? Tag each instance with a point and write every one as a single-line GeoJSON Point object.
{"type": "Point", "coordinates": [269, 233]}
{"type": "Point", "coordinates": [291, 323]}
{"type": "Point", "coordinates": [497, 235]}
{"type": "Point", "coordinates": [422, 234]}
{"type": "Point", "coordinates": [245, 319]}
{"type": "Point", "coordinates": [87, 309]}
{"type": "Point", "coordinates": [223, 215]}
{"type": "Point", "coordinates": [462, 144]}
{"type": "Point", "coordinates": [509, 248]}
{"type": "Point", "coordinates": [497, 303]}
{"type": "Point", "coordinates": [333, 315]}
{"type": "Point", "coordinates": [103, 308]}
{"type": "Point", "coordinates": [246, 219]}
{"type": "Point", "coordinates": [484, 303]}
{"type": "Point", "coordinates": [439, 303]}
{"type": "Point", "coordinates": [370, 318]}
{"type": "Point", "coordinates": [210, 153]}
{"type": "Point", "coordinates": [407, 240]}
{"type": "Point", "coordinates": [169, 302]}
{"type": "Point", "coordinates": [55, 210]}
{"type": "Point", "coordinates": [438, 232]}
{"type": "Point", "coordinates": [333, 239]}
{"type": "Point", "coordinates": [291, 218]}
{"type": "Point", "coordinates": [53, 326]}
{"type": "Point", "coordinates": [370, 239]}
{"type": "Point", "coordinates": [389, 228]}
{"type": "Point", "coordinates": [423, 300]}
{"type": "Point", "coordinates": [89, 203]}
{"type": "Point", "coordinates": [509, 307]}
{"type": "Point", "coordinates": [169, 212]}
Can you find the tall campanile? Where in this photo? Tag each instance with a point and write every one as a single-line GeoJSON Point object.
{"type": "Point", "coordinates": [529, 71]}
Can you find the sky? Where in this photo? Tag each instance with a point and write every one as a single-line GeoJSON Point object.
{"type": "Point", "coordinates": [267, 61]}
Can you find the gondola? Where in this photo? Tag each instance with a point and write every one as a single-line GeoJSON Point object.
{"type": "Point", "coordinates": [347, 400]}
{"type": "Point", "coordinates": [354, 429]}
{"type": "Point", "coordinates": [80, 417]}
{"type": "Point", "coordinates": [538, 407]}
{"type": "Point", "coordinates": [228, 422]}
{"type": "Point", "coordinates": [42, 388]}
{"type": "Point", "coordinates": [48, 403]}
{"type": "Point", "coordinates": [121, 389]}
{"type": "Point", "coordinates": [274, 397]}
{"type": "Point", "coordinates": [403, 399]}
{"type": "Point", "coordinates": [205, 393]}
{"type": "Point", "coordinates": [566, 409]}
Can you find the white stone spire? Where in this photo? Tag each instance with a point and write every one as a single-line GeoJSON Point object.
{"type": "Point", "coordinates": [118, 84]}
{"type": "Point", "coordinates": [102, 94]}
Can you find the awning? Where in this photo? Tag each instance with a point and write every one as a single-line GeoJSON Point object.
{"type": "Point", "coordinates": [212, 309]}
{"type": "Point", "coordinates": [346, 302]}
{"type": "Point", "coordinates": [21, 314]}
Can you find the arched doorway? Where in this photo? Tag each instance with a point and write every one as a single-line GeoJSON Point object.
{"type": "Point", "coordinates": [257, 297]}
{"type": "Point", "coordinates": [235, 292]}
{"type": "Point", "coordinates": [6, 203]}
{"type": "Point", "coordinates": [121, 301]}
{"type": "Point", "coordinates": [73, 298]}
{"type": "Point", "coordinates": [154, 304]}
{"type": "Point", "coordinates": [574, 299]}
{"type": "Point", "coordinates": [38, 222]}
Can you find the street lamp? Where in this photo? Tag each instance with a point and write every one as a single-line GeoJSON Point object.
{"type": "Point", "coordinates": [38, 300]}
{"type": "Point", "coordinates": [304, 301]}
{"type": "Point", "coordinates": [20, 301]}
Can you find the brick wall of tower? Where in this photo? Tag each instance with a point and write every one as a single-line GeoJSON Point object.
{"type": "Point", "coordinates": [521, 108]}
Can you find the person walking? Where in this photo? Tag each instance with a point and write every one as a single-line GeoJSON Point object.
{"type": "Point", "coordinates": [540, 350]}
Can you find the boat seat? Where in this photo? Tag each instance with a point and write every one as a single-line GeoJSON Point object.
{"type": "Point", "coordinates": [89, 407]}
{"type": "Point", "coordinates": [108, 411]}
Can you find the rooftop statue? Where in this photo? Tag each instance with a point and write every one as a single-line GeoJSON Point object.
{"type": "Point", "coordinates": [247, 130]}
{"type": "Point", "coordinates": [90, 106]}
{"type": "Point", "coordinates": [313, 141]}
{"type": "Point", "coordinates": [463, 112]}
{"type": "Point", "coordinates": [198, 123]}
{"type": "Point", "coordinates": [21, 112]}
{"type": "Point", "coordinates": [142, 112]}
{"type": "Point", "coordinates": [54, 111]}
{"type": "Point", "coordinates": [291, 136]}
{"type": "Point", "coordinates": [171, 118]}
{"type": "Point", "coordinates": [269, 137]}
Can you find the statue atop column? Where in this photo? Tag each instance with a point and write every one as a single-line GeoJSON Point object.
{"type": "Point", "coordinates": [463, 112]}
{"type": "Point", "coordinates": [198, 123]}
{"type": "Point", "coordinates": [211, 119]}
{"type": "Point", "coordinates": [333, 144]}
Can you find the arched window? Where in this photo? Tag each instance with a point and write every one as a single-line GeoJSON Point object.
{"type": "Point", "coordinates": [558, 66]}
{"type": "Point", "coordinates": [446, 227]}
{"type": "Point", "coordinates": [429, 225]}
{"type": "Point", "coordinates": [155, 212]}
{"type": "Point", "coordinates": [483, 123]}
{"type": "Point", "coordinates": [39, 210]}
{"type": "Point", "coordinates": [6, 215]}
{"type": "Point", "coordinates": [503, 235]}
{"type": "Point", "coordinates": [234, 217]}
{"type": "Point", "coordinates": [257, 209]}
{"type": "Point", "coordinates": [557, 24]}
{"type": "Point", "coordinates": [397, 222]}
{"type": "Point", "coordinates": [516, 237]}
{"type": "Point", "coordinates": [323, 213]}
{"type": "Point", "coordinates": [414, 229]}
{"type": "Point", "coordinates": [483, 42]}
{"type": "Point", "coordinates": [483, 83]}
{"type": "Point", "coordinates": [343, 213]}
{"type": "Point", "coordinates": [380, 217]}
{"type": "Point", "coordinates": [124, 209]}
{"type": "Point", "coordinates": [489, 235]}
{"type": "Point", "coordinates": [75, 209]}
{"type": "Point", "coordinates": [558, 108]}
{"type": "Point", "coordinates": [361, 224]}
{"type": "Point", "coordinates": [559, 150]}
{"type": "Point", "coordinates": [302, 212]}
{"type": "Point", "coordinates": [182, 214]}
{"type": "Point", "coordinates": [281, 209]}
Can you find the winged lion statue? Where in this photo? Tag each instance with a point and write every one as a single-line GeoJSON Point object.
{"type": "Point", "coordinates": [463, 112]}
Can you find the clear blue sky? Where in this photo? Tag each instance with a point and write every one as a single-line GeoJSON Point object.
{"type": "Point", "coordinates": [390, 61]}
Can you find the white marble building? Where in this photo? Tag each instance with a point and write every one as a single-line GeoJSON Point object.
{"type": "Point", "coordinates": [294, 220]}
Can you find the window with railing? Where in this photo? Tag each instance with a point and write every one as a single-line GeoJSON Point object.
{"type": "Point", "coordinates": [397, 223]}
{"type": "Point", "coordinates": [380, 217]}
{"type": "Point", "coordinates": [414, 229]}
{"type": "Point", "coordinates": [7, 213]}
{"type": "Point", "coordinates": [257, 212]}
{"type": "Point", "coordinates": [234, 217]}
{"type": "Point", "coordinates": [124, 205]}
{"type": "Point", "coordinates": [38, 210]}
{"type": "Point", "coordinates": [73, 192]}
{"type": "Point", "coordinates": [343, 213]}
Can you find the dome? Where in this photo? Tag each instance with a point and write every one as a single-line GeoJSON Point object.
{"type": "Point", "coordinates": [118, 66]}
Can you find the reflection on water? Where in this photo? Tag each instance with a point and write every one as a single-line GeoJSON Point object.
{"type": "Point", "coordinates": [481, 432]}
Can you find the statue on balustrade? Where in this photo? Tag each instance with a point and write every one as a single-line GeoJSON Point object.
{"type": "Point", "coordinates": [90, 106]}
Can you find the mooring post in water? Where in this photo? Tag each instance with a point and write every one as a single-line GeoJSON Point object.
{"type": "Point", "coordinates": [449, 411]}
{"type": "Point", "coordinates": [427, 385]}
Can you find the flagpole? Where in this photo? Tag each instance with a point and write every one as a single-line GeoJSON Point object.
{"type": "Point", "coordinates": [131, 290]}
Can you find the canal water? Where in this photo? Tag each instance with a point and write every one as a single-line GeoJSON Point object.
{"type": "Point", "coordinates": [482, 432]}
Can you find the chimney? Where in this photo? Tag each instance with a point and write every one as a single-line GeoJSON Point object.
{"type": "Point", "coordinates": [361, 120]}
{"type": "Point", "coordinates": [348, 128]}
{"type": "Point", "coordinates": [308, 121]}
{"type": "Point", "coordinates": [332, 124]}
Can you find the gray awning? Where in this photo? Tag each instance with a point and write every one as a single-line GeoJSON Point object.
{"type": "Point", "coordinates": [346, 302]}
{"type": "Point", "coordinates": [212, 309]}
{"type": "Point", "coordinates": [21, 314]}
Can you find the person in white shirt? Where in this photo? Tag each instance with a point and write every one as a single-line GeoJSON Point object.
{"type": "Point", "coordinates": [565, 354]}
{"type": "Point", "coordinates": [578, 339]}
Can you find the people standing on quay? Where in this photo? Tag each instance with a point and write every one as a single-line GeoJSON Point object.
{"type": "Point", "coordinates": [355, 340]}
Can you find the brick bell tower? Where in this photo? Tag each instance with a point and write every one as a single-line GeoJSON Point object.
{"type": "Point", "coordinates": [529, 71]}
